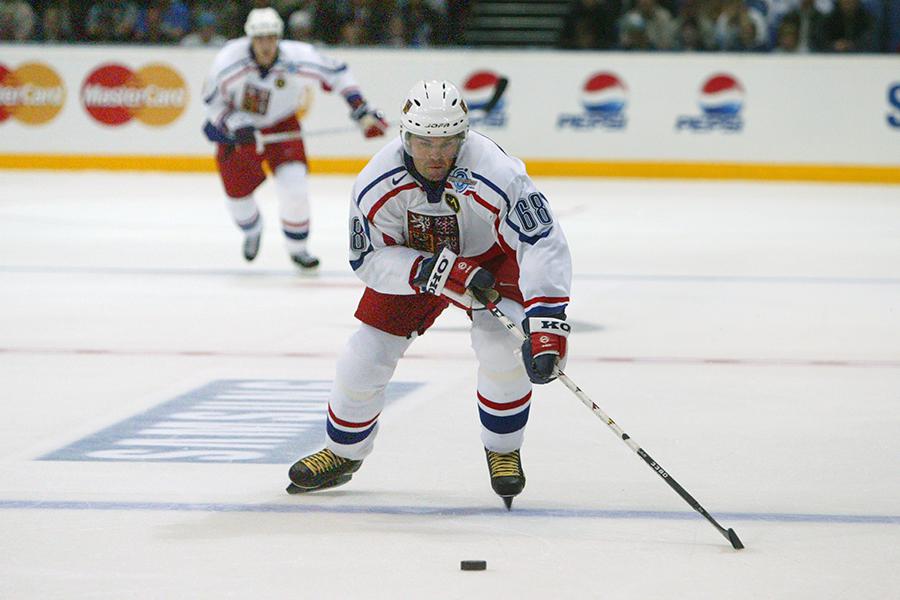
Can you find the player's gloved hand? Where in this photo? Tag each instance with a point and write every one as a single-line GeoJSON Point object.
{"type": "Point", "coordinates": [370, 120]}
{"type": "Point", "coordinates": [544, 349]}
{"type": "Point", "coordinates": [215, 134]}
{"type": "Point", "coordinates": [447, 274]}
{"type": "Point", "coordinates": [244, 135]}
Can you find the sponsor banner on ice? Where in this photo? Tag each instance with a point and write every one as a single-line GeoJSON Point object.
{"type": "Point", "coordinates": [233, 420]}
{"type": "Point", "coordinates": [721, 102]}
{"type": "Point", "coordinates": [33, 93]}
{"type": "Point", "coordinates": [603, 100]}
{"type": "Point", "coordinates": [113, 94]}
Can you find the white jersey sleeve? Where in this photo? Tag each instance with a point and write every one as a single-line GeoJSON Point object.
{"type": "Point", "coordinates": [524, 223]}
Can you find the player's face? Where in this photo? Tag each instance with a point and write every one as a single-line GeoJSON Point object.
{"type": "Point", "coordinates": [434, 157]}
{"type": "Point", "coordinates": [265, 48]}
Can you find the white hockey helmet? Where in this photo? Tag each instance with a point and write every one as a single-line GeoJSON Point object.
{"type": "Point", "coordinates": [264, 21]}
{"type": "Point", "coordinates": [433, 109]}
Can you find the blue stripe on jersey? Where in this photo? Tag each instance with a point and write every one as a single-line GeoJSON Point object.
{"type": "Point", "coordinates": [224, 73]}
{"type": "Point", "coordinates": [345, 437]}
{"type": "Point", "coordinates": [295, 66]}
{"type": "Point", "coordinates": [493, 186]}
{"type": "Point", "coordinates": [355, 264]}
{"type": "Point", "coordinates": [528, 239]}
{"type": "Point", "coordinates": [378, 180]}
{"type": "Point", "coordinates": [504, 424]}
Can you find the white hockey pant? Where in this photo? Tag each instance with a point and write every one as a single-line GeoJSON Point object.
{"type": "Point", "coordinates": [370, 357]}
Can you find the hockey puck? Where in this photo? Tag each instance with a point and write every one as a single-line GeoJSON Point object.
{"type": "Point", "coordinates": [473, 565]}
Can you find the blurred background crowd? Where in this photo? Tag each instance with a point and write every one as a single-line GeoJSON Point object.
{"type": "Point", "coordinates": [790, 26]}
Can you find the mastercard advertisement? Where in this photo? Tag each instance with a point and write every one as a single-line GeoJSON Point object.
{"type": "Point", "coordinates": [111, 94]}
{"type": "Point", "coordinates": [32, 93]}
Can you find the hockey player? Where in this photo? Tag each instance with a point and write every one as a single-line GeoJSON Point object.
{"type": "Point", "coordinates": [439, 216]}
{"type": "Point", "coordinates": [256, 86]}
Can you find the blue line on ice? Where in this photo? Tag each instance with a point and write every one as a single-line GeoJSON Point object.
{"type": "Point", "coordinates": [443, 511]}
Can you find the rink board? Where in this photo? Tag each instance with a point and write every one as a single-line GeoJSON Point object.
{"type": "Point", "coordinates": [716, 116]}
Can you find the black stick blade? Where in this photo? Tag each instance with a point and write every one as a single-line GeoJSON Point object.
{"type": "Point", "coordinates": [735, 541]}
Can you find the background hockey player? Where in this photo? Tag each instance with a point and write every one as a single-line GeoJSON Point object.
{"type": "Point", "coordinates": [436, 214]}
{"type": "Point", "coordinates": [256, 86]}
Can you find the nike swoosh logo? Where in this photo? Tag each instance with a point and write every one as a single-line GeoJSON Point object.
{"type": "Point", "coordinates": [397, 180]}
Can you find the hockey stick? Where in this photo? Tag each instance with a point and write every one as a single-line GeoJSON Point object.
{"type": "Point", "coordinates": [729, 534]}
{"type": "Point", "coordinates": [264, 139]}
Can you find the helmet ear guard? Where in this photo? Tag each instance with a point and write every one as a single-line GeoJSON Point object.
{"type": "Point", "coordinates": [433, 109]}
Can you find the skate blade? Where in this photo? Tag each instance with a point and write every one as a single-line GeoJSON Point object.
{"type": "Point", "coordinates": [507, 500]}
{"type": "Point", "coordinates": [294, 489]}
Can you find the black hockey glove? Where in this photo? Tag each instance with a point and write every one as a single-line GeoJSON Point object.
{"type": "Point", "coordinates": [245, 135]}
{"type": "Point", "coordinates": [544, 349]}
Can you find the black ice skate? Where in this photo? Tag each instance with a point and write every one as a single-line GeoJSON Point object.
{"type": "Point", "coordinates": [305, 260]}
{"type": "Point", "coordinates": [320, 471]}
{"type": "Point", "coordinates": [251, 245]}
{"type": "Point", "coordinates": [507, 476]}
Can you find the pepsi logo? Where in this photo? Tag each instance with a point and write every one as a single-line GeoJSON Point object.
{"type": "Point", "coordinates": [604, 94]}
{"type": "Point", "coordinates": [721, 95]}
{"type": "Point", "coordinates": [479, 88]}
{"type": "Point", "coordinates": [604, 97]}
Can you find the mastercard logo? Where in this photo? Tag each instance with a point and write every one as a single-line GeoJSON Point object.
{"type": "Point", "coordinates": [32, 94]}
{"type": "Point", "coordinates": [154, 95]}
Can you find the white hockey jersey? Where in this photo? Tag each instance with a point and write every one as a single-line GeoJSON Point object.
{"type": "Point", "coordinates": [238, 93]}
{"type": "Point", "coordinates": [487, 201]}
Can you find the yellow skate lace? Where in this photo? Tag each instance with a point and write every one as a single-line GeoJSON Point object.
{"type": "Point", "coordinates": [504, 465]}
{"type": "Point", "coordinates": [322, 461]}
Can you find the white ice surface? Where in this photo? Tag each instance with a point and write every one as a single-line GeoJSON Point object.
{"type": "Point", "coordinates": [746, 335]}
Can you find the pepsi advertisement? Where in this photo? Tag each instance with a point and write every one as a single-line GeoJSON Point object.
{"type": "Point", "coordinates": [572, 113]}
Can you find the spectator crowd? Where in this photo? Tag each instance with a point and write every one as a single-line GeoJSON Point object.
{"type": "Point", "coordinates": [788, 26]}
{"type": "Point", "coordinates": [399, 23]}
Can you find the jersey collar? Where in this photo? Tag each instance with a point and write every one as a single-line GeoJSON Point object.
{"type": "Point", "coordinates": [434, 190]}
{"type": "Point", "coordinates": [264, 71]}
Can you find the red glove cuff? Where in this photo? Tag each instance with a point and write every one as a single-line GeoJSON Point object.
{"type": "Point", "coordinates": [461, 275]}
{"type": "Point", "coordinates": [548, 336]}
